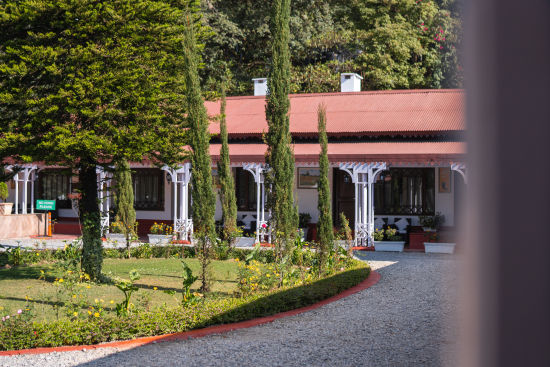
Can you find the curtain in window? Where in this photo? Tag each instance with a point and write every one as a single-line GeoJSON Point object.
{"type": "Point", "coordinates": [405, 191]}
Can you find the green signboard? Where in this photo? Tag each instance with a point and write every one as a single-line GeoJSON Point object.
{"type": "Point", "coordinates": [45, 204]}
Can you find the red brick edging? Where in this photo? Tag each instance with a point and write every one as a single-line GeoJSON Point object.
{"type": "Point", "coordinates": [373, 278]}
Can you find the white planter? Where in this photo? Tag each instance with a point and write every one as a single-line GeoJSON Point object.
{"type": "Point", "coordinates": [439, 247]}
{"type": "Point", "coordinates": [118, 237]}
{"type": "Point", "coordinates": [159, 238]}
{"type": "Point", "coordinates": [393, 246]}
{"type": "Point", "coordinates": [245, 241]}
{"type": "Point", "coordinates": [5, 208]}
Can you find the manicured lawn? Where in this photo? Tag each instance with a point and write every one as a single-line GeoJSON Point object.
{"type": "Point", "coordinates": [21, 282]}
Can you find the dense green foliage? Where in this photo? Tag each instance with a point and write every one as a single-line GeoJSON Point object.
{"type": "Point", "coordinates": [324, 227]}
{"type": "Point", "coordinates": [3, 191]}
{"type": "Point", "coordinates": [228, 198]}
{"type": "Point", "coordinates": [393, 44]}
{"type": "Point", "coordinates": [202, 192]}
{"type": "Point", "coordinates": [279, 155]}
{"type": "Point", "coordinates": [85, 83]}
{"type": "Point", "coordinates": [19, 332]}
{"type": "Point", "coordinates": [126, 213]}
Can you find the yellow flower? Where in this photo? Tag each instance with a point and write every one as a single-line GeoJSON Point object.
{"type": "Point", "coordinates": [111, 301]}
{"type": "Point", "coordinates": [61, 280]}
{"type": "Point", "coordinates": [96, 300]}
{"type": "Point", "coordinates": [155, 288]}
{"type": "Point", "coordinates": [75, 313]}
{"type": "Point", "coordinates": [96, 314]}
{"type": "Point", "coordinates": [74, 295]}
{"type": "Point", "coordinates": [101, 300]}
{"type": "Point", "coordinates": [89, 312]}
{"type": "Point", "coordinates": [88, 287]}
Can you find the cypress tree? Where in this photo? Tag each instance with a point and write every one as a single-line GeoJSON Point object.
{"type": "Point", "coordinates": [125, 201]}
{"type": "Point", "coordinates": [279, 155]}
{"type": "Point", "coordinates": [203, 195]}
{"type": "Point", "coordinates": [227, 190]}
{"type": "Point", "coordinates": [325, 231]}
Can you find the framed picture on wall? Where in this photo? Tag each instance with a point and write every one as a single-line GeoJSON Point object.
{"type": "Point", "coordinates": [444, 180]}
{"type": "Point", "coordinates": [308, 178]}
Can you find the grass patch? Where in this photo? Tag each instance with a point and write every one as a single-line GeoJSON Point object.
{"type": "Point", "coordinates": [20, 285]}
{"type": "Point", "coordinates": [19, 333]}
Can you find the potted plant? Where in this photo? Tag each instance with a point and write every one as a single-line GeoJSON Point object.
{"type": "Point", "coordinates": [160, 233]}
{"type": "Point", "coordinates": [388, 240]}
{"type": "Point", "coordinates": [431, 223]}
{"type": "Point", "coordinates": [116, 232]}
{"type": "Point", "coordinates": [5, 208]}
{"type": "Point", "coordinates": [303, 221]}
{"type": "Point", "coordinates": [435, 247]}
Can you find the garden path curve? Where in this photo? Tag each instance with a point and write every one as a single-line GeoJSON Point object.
{"type": "Point", "coordinates": [408, 318]}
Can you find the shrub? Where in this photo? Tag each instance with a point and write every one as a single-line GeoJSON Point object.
{"type": "Point", "coordinates": [28, 334]}
{"type": "Point", "coordinates": [3, 191]}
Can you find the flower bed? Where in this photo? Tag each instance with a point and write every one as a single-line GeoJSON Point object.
{"type": "Point", "coordinates": [19, 333]}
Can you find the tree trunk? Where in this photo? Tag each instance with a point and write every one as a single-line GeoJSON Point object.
{"type": "Point", "coordinates": [92, 252]}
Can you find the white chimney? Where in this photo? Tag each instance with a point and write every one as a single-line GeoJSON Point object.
{"type": "Point", "coordinates": [350, 82]}
{"type": "Point", "coordinates": [260, 86]}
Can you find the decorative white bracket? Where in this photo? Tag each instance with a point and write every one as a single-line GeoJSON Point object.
{"type": "Point", "coordinates": [460, 168]}
{"type": "Point", "coordinates": [180, 177]}
{"type": "Point", "coordinates": [363, 175]}
{"type": "Point", "coordinates": [262, 227]}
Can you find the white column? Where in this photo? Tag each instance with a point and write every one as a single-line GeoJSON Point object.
{"type": "Point", "coordinates": [258, 218]}
{"type": "Point", "coordinates": [182, 203]}
{"type": "Point", "coordinates": [16, 180]}
{"type": "Point", "coordinates": [25, 174]}
{"type": "Point", "coordinates": [175, 199]}
{"type": "Point", "coordinates": [32, 192]}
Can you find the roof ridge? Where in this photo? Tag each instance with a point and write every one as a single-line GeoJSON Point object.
{"type": "Point", "coordinates": [341, 94]}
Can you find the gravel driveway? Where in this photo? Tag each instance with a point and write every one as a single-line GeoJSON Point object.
{"type": "Point", "coordinates": [407, 319]}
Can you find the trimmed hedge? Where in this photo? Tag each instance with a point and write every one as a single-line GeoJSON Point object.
{"type": "Point", "coordinates": [19, 334]}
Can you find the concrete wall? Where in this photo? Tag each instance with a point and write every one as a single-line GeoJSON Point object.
{"type": "Point", "coordinates": [22, 225]}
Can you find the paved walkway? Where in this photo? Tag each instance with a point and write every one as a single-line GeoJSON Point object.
{"type": "Point", "coordinates": [407, 319]}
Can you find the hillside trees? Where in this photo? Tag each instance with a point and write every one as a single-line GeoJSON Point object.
{"type": "Point", "coordinates": [392, 43]}
{"type": "Point", "coordinates": [88, 83]}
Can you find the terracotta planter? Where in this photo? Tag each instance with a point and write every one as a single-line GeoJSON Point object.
{"type": "Point", "coordinates": [5, 208]}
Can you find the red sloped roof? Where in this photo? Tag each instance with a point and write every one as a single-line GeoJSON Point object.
{"type": "Point", "coordinates": [407, 112]}
{"type": "Point", "coordinates": [393, 152]}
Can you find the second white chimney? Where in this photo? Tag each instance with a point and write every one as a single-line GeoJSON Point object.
{"type": "Point", "coordinates": [350, 82]}
{"type": "Point", "coordinates": [260, 86]}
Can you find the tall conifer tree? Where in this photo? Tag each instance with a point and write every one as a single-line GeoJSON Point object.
{"type": "Point", "coordinates": [325, 231]}
{"type": "Point", "coordinates": [203, 194]}
{"type": "Point", "coordinates": [125, 201]}
{"type": "Point", "coordinates": [280, 156]}
{"type": "Point", "coordinates": [227, 190]}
